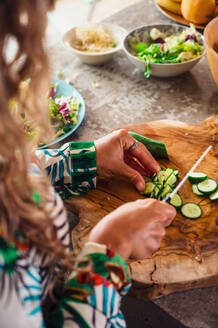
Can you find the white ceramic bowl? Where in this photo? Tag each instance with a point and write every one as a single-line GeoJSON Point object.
{"type": "Point", "coordinates": [96, 58]}
{"type": "Point", "coordinates": [160, 70]}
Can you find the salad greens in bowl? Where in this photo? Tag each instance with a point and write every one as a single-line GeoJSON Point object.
{"type": "Point", "coordinates": [164, 50]}
{"type": "Point", "coordinates": [66, 109]}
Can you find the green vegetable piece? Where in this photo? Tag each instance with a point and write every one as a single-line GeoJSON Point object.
{"type": "Point", "coordinates": [207, 186]}
{"type": "Point", "coordinates": [147, 72]}
{"type": "Point", "coordinates": [191, 211]}
{"type": "Point", "coordinates": [176, 172]}
{"type": "Point", "coordinates": [155, 192]}
{"type": "Point", "coordinates": [149, 188]}
{"type": "Point", "coordinates": [168, 172]}
{"type": "Point", "coordinates": [176, 201]}
{"type": "Point", "coordinates": [156, 148]}
{"type": "Point", "coordinates": [167, 190]}
{"type": "Point", "coordinates": [171, 180]}
{"type": "Point", "coordinates": [161, 177]}
{"type": "Point", "coordinates": [196, 191]}
{"type": "Point", "coordinates": [214, 196]}
{"type": "Point", "coordinates": [141, 47]}
{"type": "Point", "coordinates": [196, 177]}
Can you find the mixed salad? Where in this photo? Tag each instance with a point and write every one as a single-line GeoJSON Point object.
{"type": "Point", "coordinates": [161, 48]}
{"type": "Point", "coordinates": [63, 111]}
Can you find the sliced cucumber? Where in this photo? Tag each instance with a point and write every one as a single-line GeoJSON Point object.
{"type": "Point", "coordinates": [155, 192]}
{"type": "Point", "coordinates": [171, 180]}
{"type": "Point", "coordinates": [167, 190]}
{"type": "Point", "coordinates": [196, 191]}
{"type": "Point", "coordinates": [156, 148]}
{"type": "Point", "coordinates": [167, 173]}
{"type": "Point", "coordinates": [176, 172]}
{"type": "Point", "coordinates": [149, 188]}
{"type": "Point", "coordinates": [207, 186]}
{"type": "Point", "coordinates": [191, 211]}
{"type": "Point", "coordinates": [196, 177]}
{"type": "Point", "coordinates": [214, 195]}
{"type": "Point", "coordinates": [160, 177]}
{"type": "Point", "coordinates": [161, 184]}
{"type": "Point", "coordinates": [176, 201]}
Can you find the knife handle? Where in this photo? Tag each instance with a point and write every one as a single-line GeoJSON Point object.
{"type": "Point", "coordinates": [167, 199]}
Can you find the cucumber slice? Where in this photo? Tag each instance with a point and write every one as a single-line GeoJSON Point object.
{"type": "Point", "coordinates": [214, 195]}
{"type": "Point", "coordinates": [176, 172]}
{"type": "Point", "coordinates": [176, 201]}
{"type": "Point", "coordinates": [196, 191]}
{"type": "Point", "coordinates": [196, 177]}
{"type": "Point", "coordinates": [207, 186]}
{"type": "Point", "coordinates": [168, 172]}
{"type": "Point", "coordinates": [160, 177]}
{"type": "Point", "coordinates": [149, 188]}
{"type": "Point", "coordinates": [155, 192]}
{"type": "Point", "coordinates": [156, 148]}
{"type": "Point", "coordinates": [171, 180]}
{"type": "Point", "coordinates": [167, 190]}
{"type": "Point", "coordinates": [191, 211]}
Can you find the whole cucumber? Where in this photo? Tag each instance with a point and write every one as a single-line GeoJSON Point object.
{"type": "Point", "coordinates": [156, 148]}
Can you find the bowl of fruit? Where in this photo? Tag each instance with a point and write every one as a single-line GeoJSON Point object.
{"type": "Point", "coordinates": [198, 12]}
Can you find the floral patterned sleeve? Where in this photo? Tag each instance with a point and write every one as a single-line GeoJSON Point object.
{"type": "Point", "coordinates": [72, 168]}
{"type": "Point", "coordinates": [92, 299]}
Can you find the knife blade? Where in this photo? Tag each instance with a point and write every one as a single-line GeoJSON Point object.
{"type": "Point", "coordinates": [168, 198]}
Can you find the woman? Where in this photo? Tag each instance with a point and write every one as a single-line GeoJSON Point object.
{"type": "Point", "coordinates": [34, 232]}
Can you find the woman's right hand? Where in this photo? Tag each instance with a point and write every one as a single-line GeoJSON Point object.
{"type": "Point", "coordinates": [134, 229]}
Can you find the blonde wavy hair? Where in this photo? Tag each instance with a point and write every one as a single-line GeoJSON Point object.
{"type": "Point", "coordinates": [23, 24]}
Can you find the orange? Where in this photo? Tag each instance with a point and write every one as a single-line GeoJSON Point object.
{"type": "Point", "coordinates": [198, 11]}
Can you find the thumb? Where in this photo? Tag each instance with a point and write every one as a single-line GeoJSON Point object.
{"type": "Point", "coordinates": [134, 176]}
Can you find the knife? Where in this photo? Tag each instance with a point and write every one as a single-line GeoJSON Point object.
{"type": "Point", "coordinates": [168, 198]}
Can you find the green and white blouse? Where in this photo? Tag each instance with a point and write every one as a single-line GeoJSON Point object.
{"type": "Point", "coordinates": [89, 299]}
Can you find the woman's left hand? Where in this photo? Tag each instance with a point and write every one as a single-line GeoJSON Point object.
{"type": "Point", "coordinates": [114, 159]}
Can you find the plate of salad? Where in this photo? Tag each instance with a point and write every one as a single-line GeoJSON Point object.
{"type": "Point", "coordinates": [164, 50]}
{"type": "Point", "coordinates": [66, 109]}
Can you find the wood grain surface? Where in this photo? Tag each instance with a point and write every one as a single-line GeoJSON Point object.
{"type": "Point", "coordinates": [188, 256]}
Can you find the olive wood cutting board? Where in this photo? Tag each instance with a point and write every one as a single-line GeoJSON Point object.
{"type": "Point", "coordinates": [188, 256]}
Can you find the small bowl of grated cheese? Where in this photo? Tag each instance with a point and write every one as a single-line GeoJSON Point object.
{"type": "Point", "coordinates": [95, 43]}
